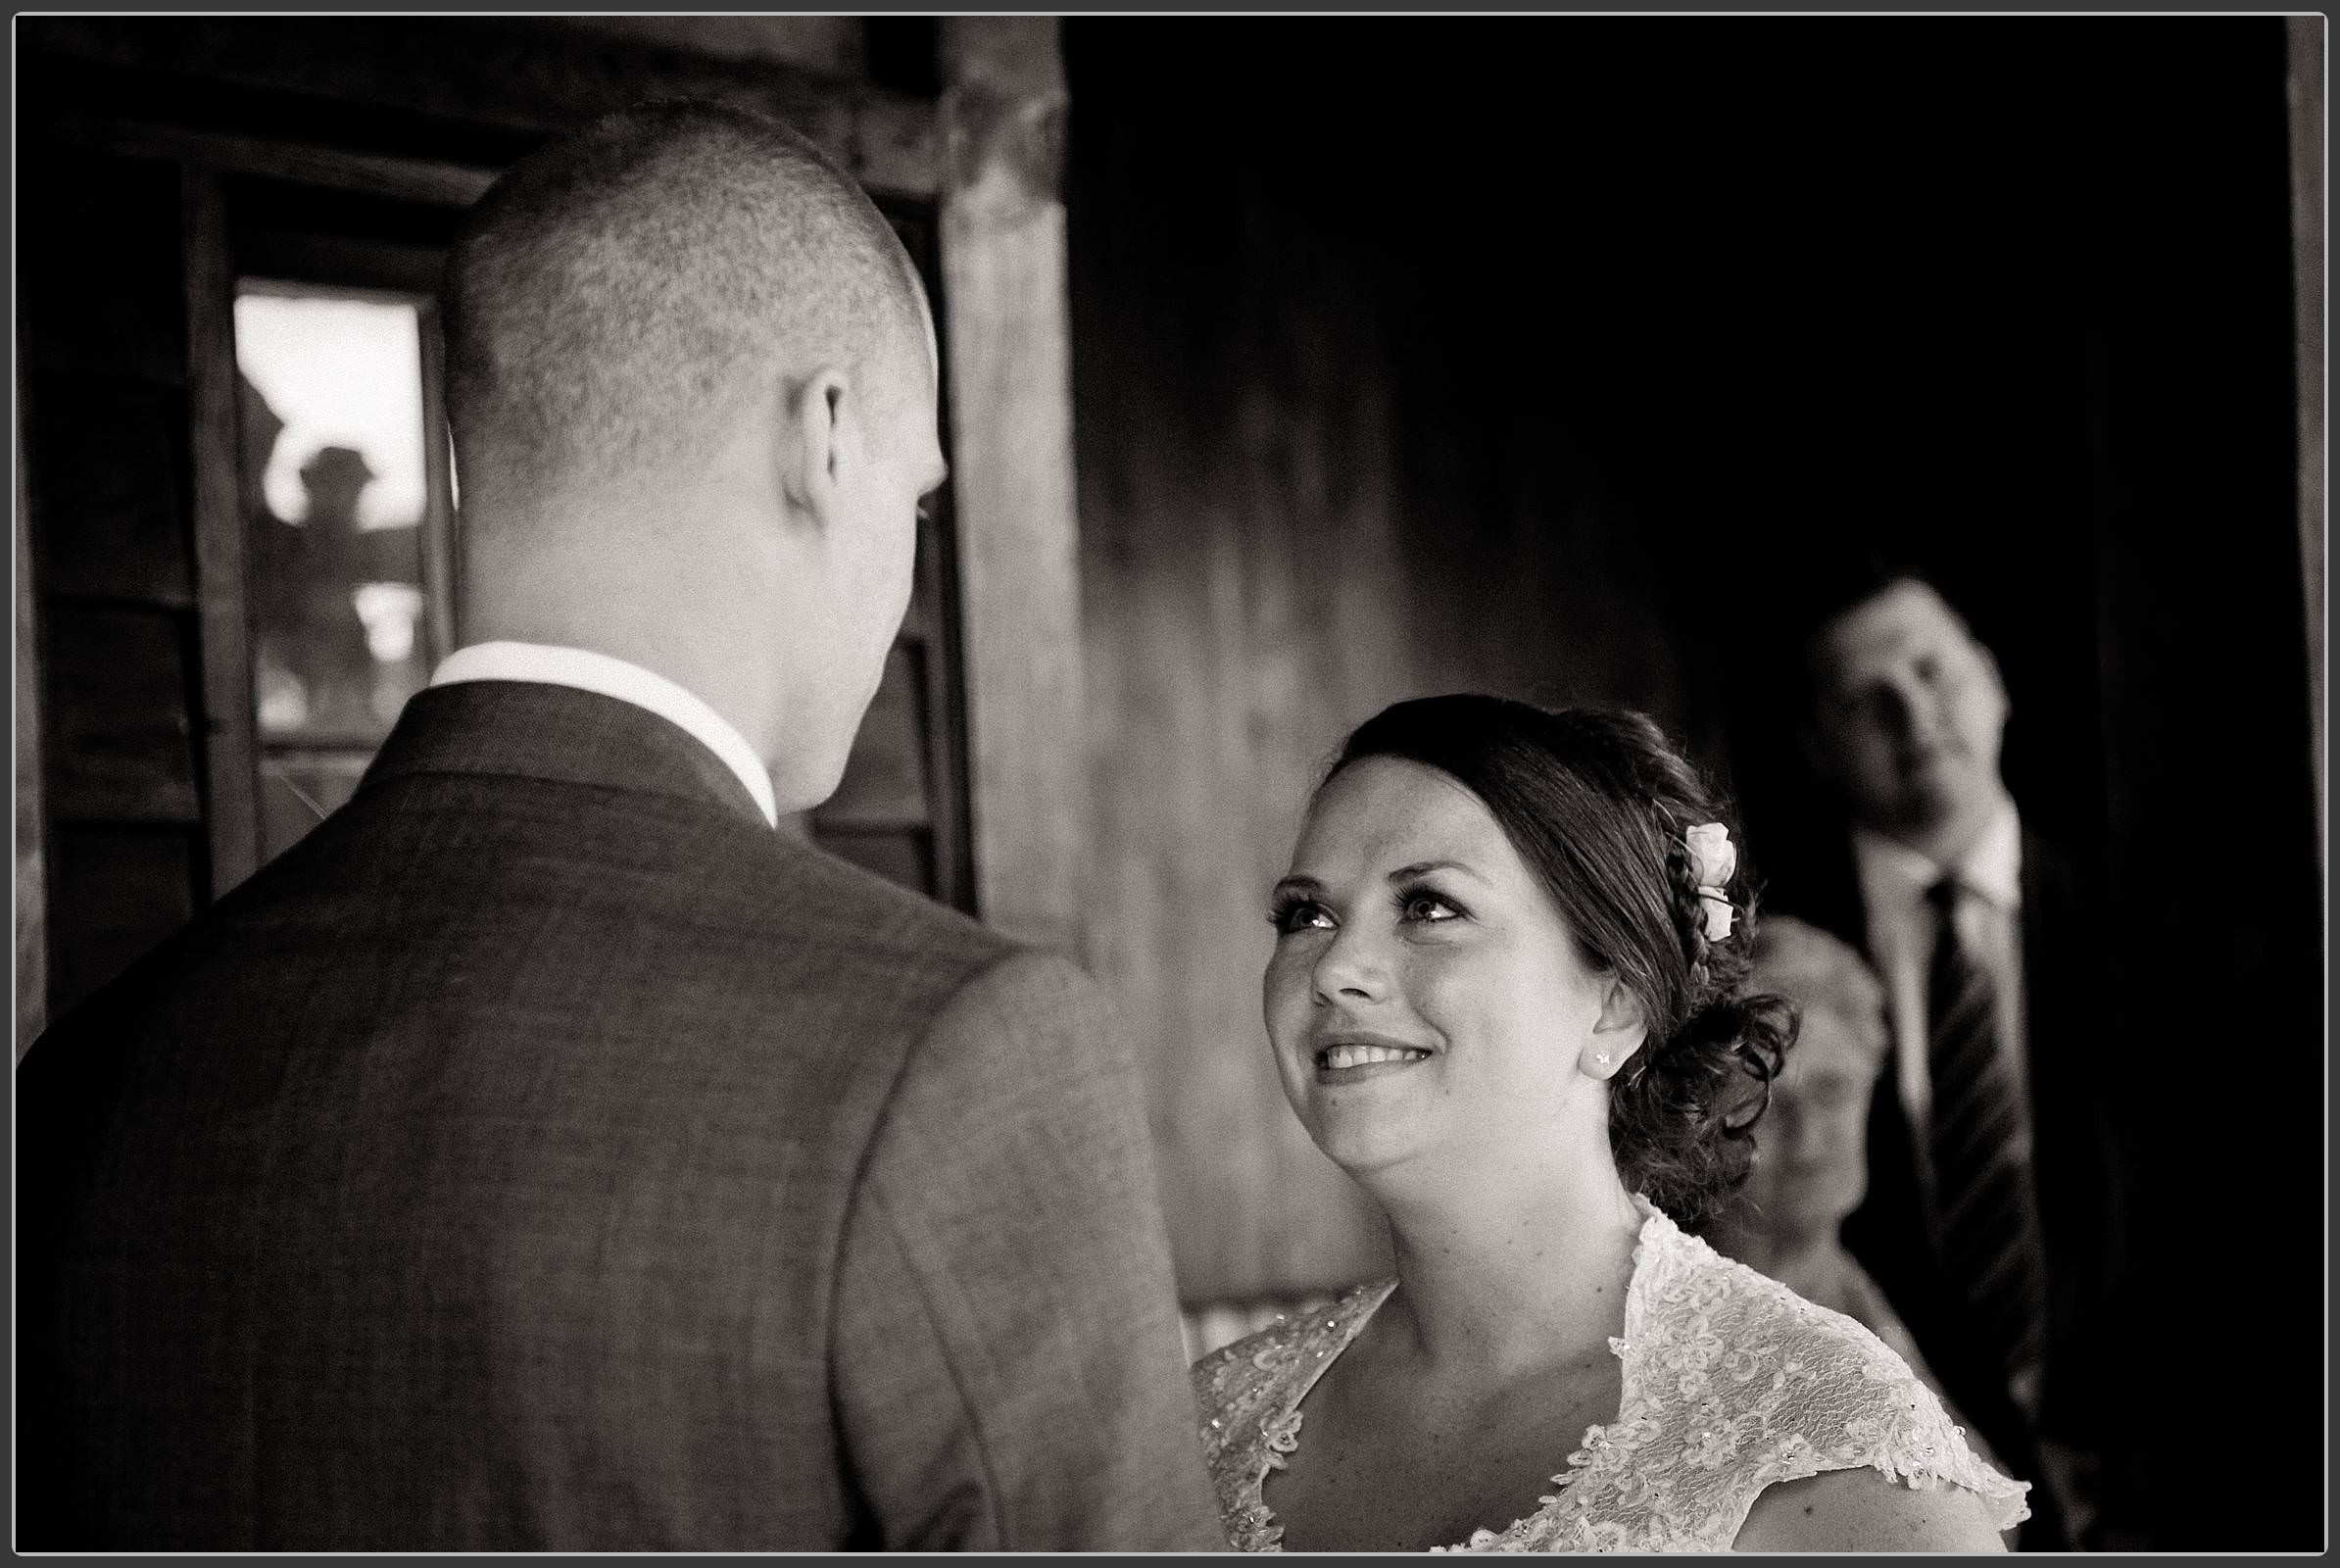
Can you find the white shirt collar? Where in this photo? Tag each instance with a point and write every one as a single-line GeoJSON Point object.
{"type": "Point", "coordinates": [1992, 865]}
{"type": "Point", "coordinates": [628, 682]}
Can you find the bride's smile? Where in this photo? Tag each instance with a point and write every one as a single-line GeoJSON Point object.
{"type": "Point", "coordinates": [1353, 1056]}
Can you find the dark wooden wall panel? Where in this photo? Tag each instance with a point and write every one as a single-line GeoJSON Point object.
{"type": "Point", "coordinates": [121, 731]}
{"type": "Point", "coordinates": [98, 265]}
{"type": "Point", "coordinates": [115, 892]}
{"type": "Point", "coordinates": [480, 87]}
{"type": "Point", "coordinates": [1556, 385]}
{"type": "Point", "coordinates": [103, 325]}
{"type": "Point", "coordinates": [2212, 803]}
{"type": "Point", "coordinates": [1297, 505]}
{"type": "Point", "coordinates": [109, 490]}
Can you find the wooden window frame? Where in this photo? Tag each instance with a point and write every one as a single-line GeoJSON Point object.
{"type": "Point", "coordinates": [984, 159]}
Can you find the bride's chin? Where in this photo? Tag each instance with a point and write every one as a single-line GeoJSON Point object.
{"type": "Point", "coordinates": [1364, 1148]}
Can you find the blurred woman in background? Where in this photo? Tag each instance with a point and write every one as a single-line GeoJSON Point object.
{"type": "Point", "coordinates": [1811, 1167]}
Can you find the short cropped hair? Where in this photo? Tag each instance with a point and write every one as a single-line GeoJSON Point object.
{"type": "Point", "coordinates": [1820, 973]}
{"type": "Point", "coordinates": [614, 294]}
{"type": "Point", "coordinates": [1831, 586]}
{"type": "Point", "coordinates": [1838, 581]}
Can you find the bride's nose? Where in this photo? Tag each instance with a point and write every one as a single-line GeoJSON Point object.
{"type": "Point", "coordinates": [1350, 969]}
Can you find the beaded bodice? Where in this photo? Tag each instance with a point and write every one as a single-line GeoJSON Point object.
{"type": "Point", "coordinates": [1732, 1382]}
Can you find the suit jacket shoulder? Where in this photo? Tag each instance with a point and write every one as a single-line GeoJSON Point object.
{"type": "Point", "coordinates": [479, 1173]}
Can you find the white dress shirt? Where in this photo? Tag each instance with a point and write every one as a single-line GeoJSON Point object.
{"type": "Point", "coordinates": [1902, 930]}
{"type": "Point", "coordinates": [628, 682]}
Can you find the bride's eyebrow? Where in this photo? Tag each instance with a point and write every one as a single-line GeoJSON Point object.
{"type": "Point", "coordinates": [1406, 873]}
{"type": "Point", "coordinates": [1296, 884]}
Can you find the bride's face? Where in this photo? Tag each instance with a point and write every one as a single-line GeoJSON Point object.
{"type": "Point", "coordinates": [1424, 997]}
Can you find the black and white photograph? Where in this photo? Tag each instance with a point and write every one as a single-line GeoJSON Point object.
{"type": "Point", "coordinates": [1209, 783]}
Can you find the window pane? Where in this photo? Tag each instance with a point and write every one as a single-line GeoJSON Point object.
{"type": "Point", "coordinates": [335, 496]}
{"type": "Point", "coordinates": [337, 499]}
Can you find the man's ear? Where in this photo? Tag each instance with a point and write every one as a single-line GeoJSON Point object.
{"type": "Point", "coordinates": [1619, 1031]}
{"type": "Point", "coordinates": [817, 437]}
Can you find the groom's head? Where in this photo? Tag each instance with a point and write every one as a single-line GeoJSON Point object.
{"type": "Point", "coordinates": [691, 381]}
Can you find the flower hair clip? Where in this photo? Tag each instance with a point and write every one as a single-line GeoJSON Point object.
{"type": "Point", "coordinates": [1714, 859]}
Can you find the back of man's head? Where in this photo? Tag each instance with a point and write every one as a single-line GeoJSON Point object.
{"type": "Point", "coordinates": [690, 378]}
{"type": "Point", "coordinates": [617, 294]}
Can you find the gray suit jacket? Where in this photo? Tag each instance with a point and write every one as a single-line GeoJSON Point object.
{"type": "Point", "coordinates": [544, 1153]}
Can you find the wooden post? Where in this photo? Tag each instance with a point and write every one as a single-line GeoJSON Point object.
{"type": "Point", "coordinates": [33, 933]}
{"type": "Point", "coordinates": [230, 760]}
{"type": "Point", "coordinates": [1008, 360]}
{"type": "Point", "coordinates": [2306, 83]}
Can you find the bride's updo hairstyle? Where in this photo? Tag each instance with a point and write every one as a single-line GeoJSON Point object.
{"type": "Point", "coordinates": [1598, 806]}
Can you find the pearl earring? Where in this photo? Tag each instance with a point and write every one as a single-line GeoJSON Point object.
{"type": "Point", "coordinates": [1601, 1056]}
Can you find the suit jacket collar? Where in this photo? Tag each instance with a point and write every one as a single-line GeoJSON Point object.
{"type": "Point", "coordinates": [592, 672]}
{"type": "Point", "coordinates": [528, 729]}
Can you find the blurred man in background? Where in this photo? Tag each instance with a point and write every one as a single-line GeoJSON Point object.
{"type": "Point", "coordinates": [1995, 1210]}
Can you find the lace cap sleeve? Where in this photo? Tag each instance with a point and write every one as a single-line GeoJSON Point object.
{"type": "Point", "coordinates": [1831, 1395]}
{"type": "Point", "coordinates": [1733, 1383]}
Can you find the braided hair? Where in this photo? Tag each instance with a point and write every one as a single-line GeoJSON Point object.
{"type": "Point", "coordinates": [1600, 805]}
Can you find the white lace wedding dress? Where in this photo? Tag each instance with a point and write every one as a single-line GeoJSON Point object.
{"type": "Point", "coordinates": [1732, 1382]}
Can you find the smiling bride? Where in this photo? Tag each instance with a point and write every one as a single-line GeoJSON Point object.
{"type": "Point", "coordinates": [1508, 998]}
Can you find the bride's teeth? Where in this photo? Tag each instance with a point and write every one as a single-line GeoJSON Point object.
{"type": "Point", "coordinates": [1338, 1056]}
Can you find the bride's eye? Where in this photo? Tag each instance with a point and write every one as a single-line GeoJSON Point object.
{"type": "Point", "coordinates": [1299, 914]}
{"type": "Point", "coordinates": [1422, 907]}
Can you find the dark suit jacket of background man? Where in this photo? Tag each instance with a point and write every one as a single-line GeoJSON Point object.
{"type": "Point", "coordinates": [547, 1154]}
{"type": "Point", "coordinates": [2082, 1175]}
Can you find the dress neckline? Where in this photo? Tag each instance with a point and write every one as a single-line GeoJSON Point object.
{"type": "Point", "coordinates": [1348, 1319]}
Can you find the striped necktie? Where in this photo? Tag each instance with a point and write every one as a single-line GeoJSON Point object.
{"type": "Point", "coordinates": [1986, 1222]}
